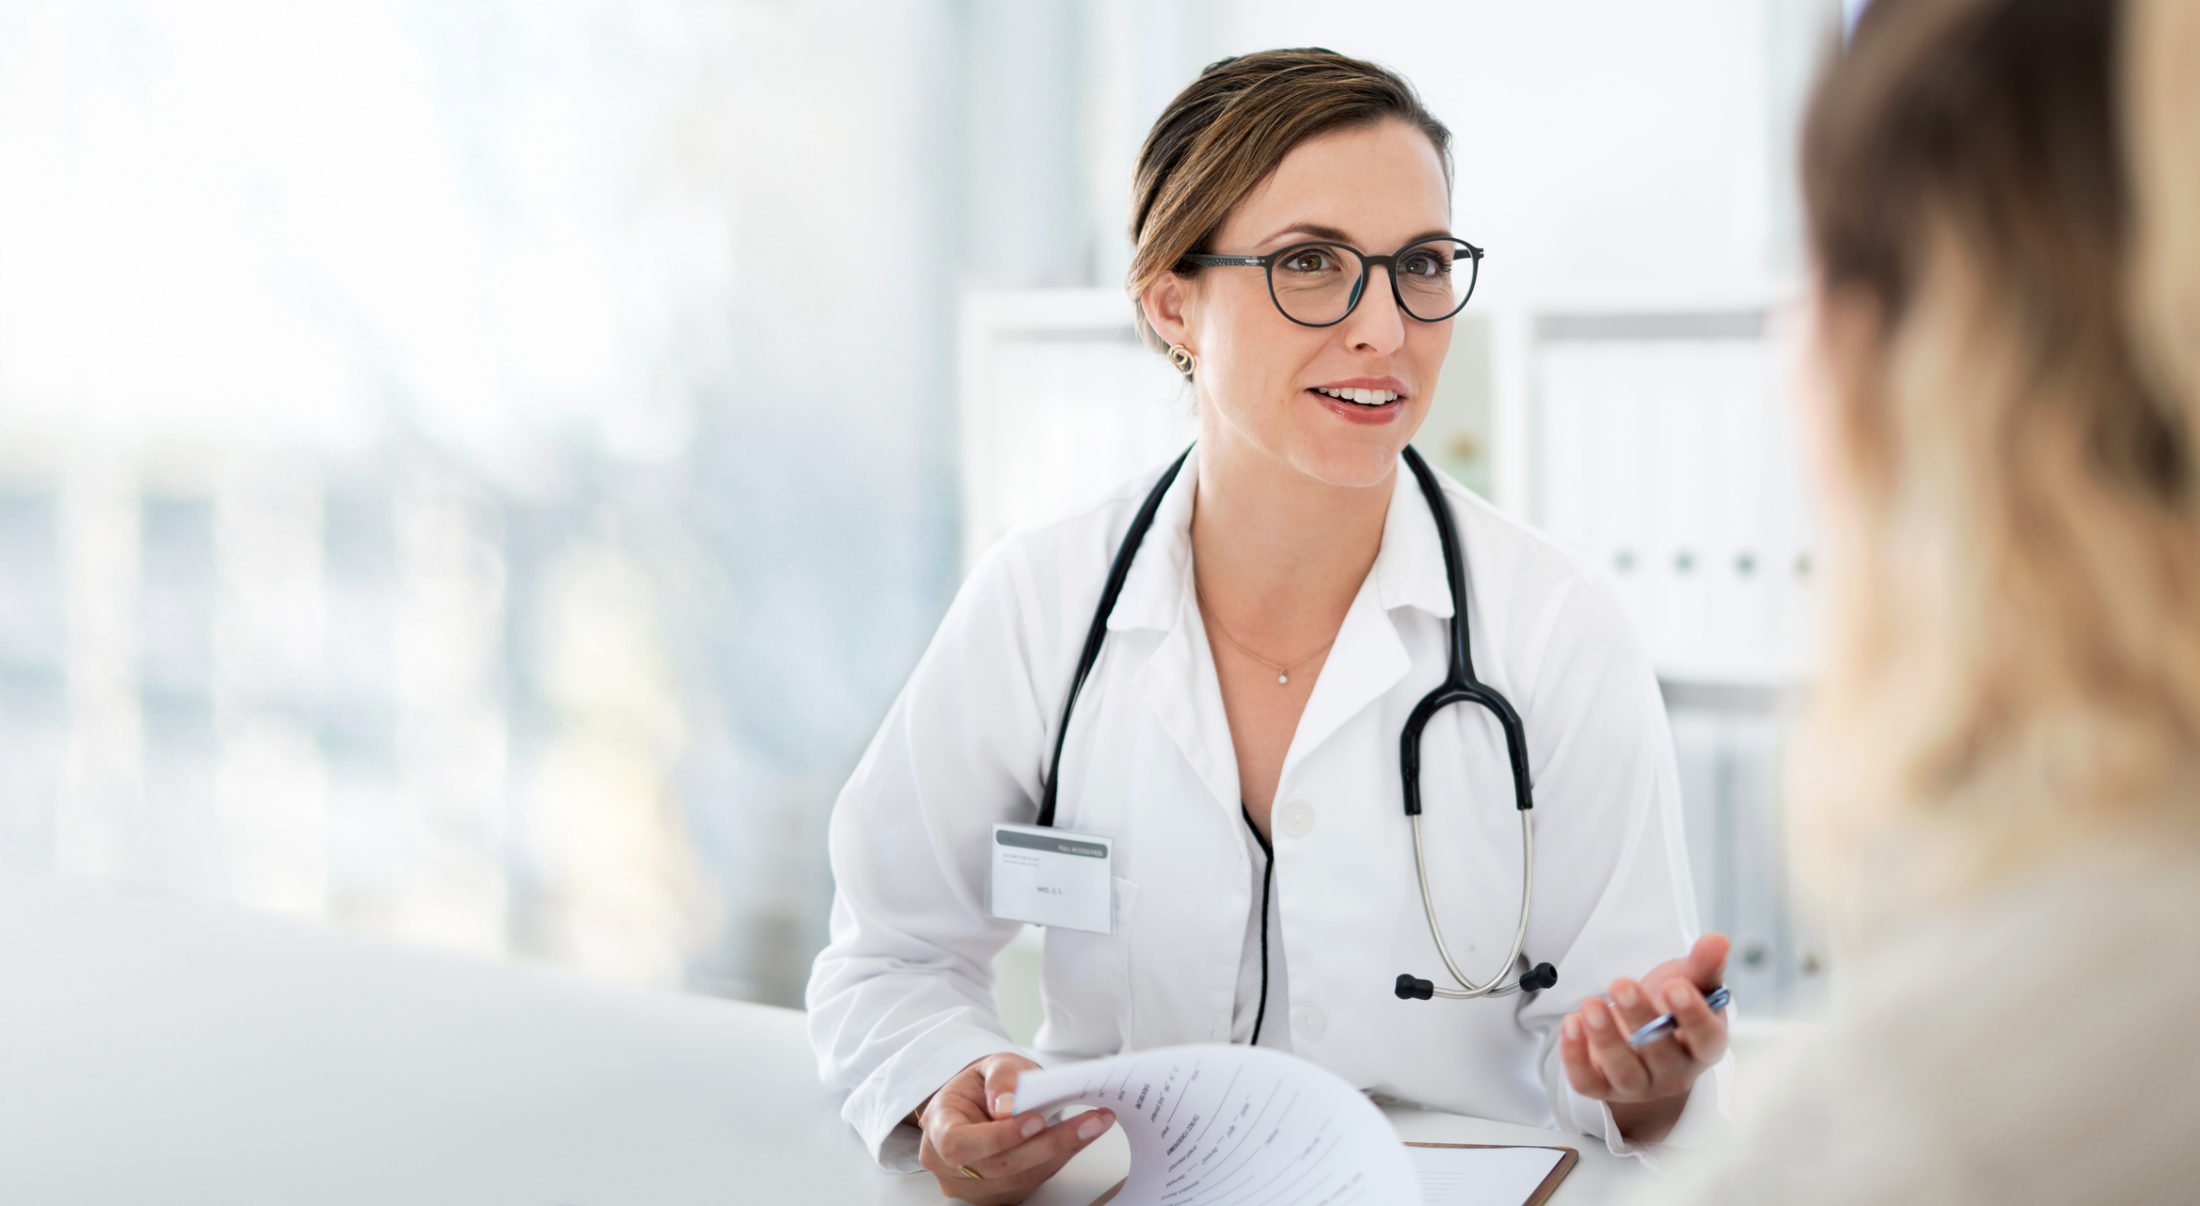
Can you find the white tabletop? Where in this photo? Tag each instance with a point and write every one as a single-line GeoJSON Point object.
{"type": "Point", "coordinates": [155, 1050]}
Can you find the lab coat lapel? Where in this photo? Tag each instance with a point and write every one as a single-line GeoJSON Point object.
{"type": "Point", "coordinates": [1370, 657]}
{"type": "Point", "coordinates": [1367, 660]}
{"type": "Point", "coordinates": [1178, 677]}
{"type": "Point", "coordinates": [1179, 683]}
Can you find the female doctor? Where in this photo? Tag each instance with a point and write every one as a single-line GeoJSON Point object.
{"type": "Point", "coordinates": [1233, 735]}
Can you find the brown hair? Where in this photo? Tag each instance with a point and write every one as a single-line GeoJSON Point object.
{"type": "Point", "coordinates": [1227, 131]}
{"type": "Point", "coordinates": [2016, 610]}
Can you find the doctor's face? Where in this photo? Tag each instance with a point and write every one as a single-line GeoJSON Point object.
{"type": "Point", "coordinates": [1376, 188]}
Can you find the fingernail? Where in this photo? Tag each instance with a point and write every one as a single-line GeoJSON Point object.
{"type": "Point", "coordinates": [1626, 995]}
{"type": "Point", "coordinates": [1596, 1015]}
{"type": "Point", "coordinates": [1002, 1103]}
{"type": "Point", "coordinates": [1573, 1029]}
{"type": "Point", "coordinates": [1091, 1127]}
{"type": "Point", "coordinates": [1676, 996]}
{"type": "Point", "coordinates": [1033, 1125]}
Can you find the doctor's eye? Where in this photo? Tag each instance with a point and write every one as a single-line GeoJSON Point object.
{"type": "Point", "coordinates": [1312, 261]}
{"type": "Point", "coordinates": [1427, 265]}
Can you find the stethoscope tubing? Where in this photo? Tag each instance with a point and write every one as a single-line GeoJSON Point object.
{"type": "Point", "coordinates": [1496, 985]}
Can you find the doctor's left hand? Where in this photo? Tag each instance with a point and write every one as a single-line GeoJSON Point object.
{"type": "Point", "coordinates": [1646, 1089]}
{"type": "Point", "coordinates": [982, 1151]}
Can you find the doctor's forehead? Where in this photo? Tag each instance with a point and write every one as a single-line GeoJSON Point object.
{"type": "Point", "coordinates": [1376, 187]}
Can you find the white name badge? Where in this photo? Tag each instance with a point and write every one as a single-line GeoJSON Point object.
{"type": "Point", "coordinates": [1048, 877]}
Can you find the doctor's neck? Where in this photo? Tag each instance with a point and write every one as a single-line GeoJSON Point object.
{"type": "Point", "coordinates": [1275, 549]}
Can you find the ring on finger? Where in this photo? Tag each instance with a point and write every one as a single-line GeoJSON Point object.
{"type": "Point", "coordinates": [969, 1172]}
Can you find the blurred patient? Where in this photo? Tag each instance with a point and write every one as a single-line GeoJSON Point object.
{"type": "Point", "coordinates": [2004, 211]}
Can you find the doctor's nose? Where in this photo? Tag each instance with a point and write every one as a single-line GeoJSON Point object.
{"type": "Point", "coordinates": [1376, 324]}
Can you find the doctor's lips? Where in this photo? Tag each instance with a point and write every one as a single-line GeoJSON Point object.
{"type": "Point", "coordinates": [1362, 398]}
{"type": "Point", "coordinates": [1367, 391]}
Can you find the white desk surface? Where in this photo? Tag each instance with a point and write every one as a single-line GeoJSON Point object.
{"type": "Point", "coordinates": [159, 1050]}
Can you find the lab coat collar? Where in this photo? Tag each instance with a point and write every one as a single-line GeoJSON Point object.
{"type": "Point", "coordinates": [1160, 579]}
{"type": "Point", "coordinates": [1408, 569]}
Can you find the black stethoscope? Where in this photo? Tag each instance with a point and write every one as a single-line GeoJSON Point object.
{"type": "Point", "coordinates": [1459, 686]}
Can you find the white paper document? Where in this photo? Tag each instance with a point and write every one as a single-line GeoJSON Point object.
{"type": "Point", "coordinates": [1235, 1126]}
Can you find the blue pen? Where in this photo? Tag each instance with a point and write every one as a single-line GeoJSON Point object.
{"type": "Point", "coordinates": [1660, 1027]}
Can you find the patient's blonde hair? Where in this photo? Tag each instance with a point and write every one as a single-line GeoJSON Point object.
{"type": "Point", "coordinates": [2011, 189]}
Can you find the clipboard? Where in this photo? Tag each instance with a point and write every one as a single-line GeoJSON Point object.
{"type": "Point", "coordinates": [1567, 1159]}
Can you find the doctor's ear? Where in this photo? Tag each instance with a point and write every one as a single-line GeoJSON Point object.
{"type": "Point", "coordinates": [1164, 303]}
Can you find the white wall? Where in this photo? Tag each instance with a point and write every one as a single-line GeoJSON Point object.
{"type": "Point", "coordinates": [1607, 147]}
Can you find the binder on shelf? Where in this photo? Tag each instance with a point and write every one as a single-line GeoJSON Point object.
{"type": "Point", "coordinates": [1626, 489]}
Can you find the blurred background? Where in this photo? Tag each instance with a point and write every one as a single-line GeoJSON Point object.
{"type": "Point", "coordinates": [476, 472]}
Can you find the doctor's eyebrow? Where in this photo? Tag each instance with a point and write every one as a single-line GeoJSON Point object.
{"type": "Point", "coordinates": [1335, 235]}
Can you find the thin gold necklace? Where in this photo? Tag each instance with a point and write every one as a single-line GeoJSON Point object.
{"type": "Point", "coordinates": [1282, 669]}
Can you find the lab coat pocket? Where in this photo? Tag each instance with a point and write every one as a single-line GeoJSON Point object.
{"type": "Point", "coordinates": [1089, 984]}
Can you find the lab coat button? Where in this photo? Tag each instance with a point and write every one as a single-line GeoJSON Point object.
{"type": "Point", "coordinates": [1307, 1022]}
{"type": "Point", "coordinates": [1297, 820]}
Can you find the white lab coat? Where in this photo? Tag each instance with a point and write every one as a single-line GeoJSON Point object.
{"type": "Point", "coordinates": [902, 997]}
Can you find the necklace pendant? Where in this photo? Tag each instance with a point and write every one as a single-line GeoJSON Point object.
{"type": "Point", "coordinates": [1283, 678]}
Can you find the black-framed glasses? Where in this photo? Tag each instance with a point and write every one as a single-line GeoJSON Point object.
{"type": "Point", "coordinates": [1314, 284]}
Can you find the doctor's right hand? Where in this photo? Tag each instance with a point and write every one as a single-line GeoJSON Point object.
{"type": "Point", "coordinates": [983, 1152]}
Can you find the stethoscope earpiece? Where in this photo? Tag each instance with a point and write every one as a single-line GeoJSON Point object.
{"type": "Point", "coordinates": [1538, 978]}
{"type": "Point", "coordinates": [1411, 988]}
